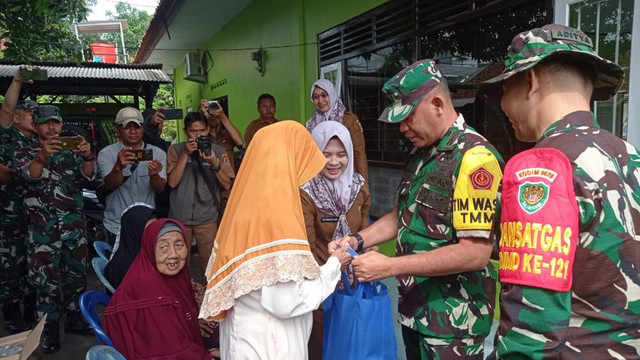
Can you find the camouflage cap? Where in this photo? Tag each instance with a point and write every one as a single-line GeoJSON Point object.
{"type": "Point", "coordinates": [530, 47]}
{"type": "Point", "coordinates": [408, 87]}
{"type": "Point", "coordinates": [46, 112]}
{"type": "Point", "coordinates": [27, 105]}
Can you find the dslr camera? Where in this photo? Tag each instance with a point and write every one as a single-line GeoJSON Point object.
{"type": "Point", "coordinates": [214, 105]}
{"type": "Point", "coordinates": [204, 144]}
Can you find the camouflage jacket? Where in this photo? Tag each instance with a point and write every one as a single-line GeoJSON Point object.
{"type": "Point", "coordinates": [12, 195]}
{"type": "Point", "coordinates": [599, 318]}
{"type": "Point", "coordinates": [449, 192]}
{"type": "Point", "coordinates": [55, 197]}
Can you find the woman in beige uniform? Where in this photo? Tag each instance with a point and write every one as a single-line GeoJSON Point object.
{"type": "Point", "coordinates": [335, 203]}
{"type": "Point", "coordinates": [329, 107]}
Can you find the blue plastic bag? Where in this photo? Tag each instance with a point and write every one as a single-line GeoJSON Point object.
{"type": "Point", "coordinates": [358, 323]}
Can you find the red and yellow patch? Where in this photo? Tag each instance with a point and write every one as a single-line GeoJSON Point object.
{"type": "Point", "coordinates": [475, 194]}
{"type": "Point", "coordinates": [481, 179]}
{"type": "Point", "coordinates": [540, 221]}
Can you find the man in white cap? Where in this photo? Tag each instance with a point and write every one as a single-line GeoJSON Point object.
{"type": "Point", "coordinates": [125, 171]}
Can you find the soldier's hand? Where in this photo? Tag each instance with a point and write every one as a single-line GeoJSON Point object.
{"type": "Point", "coordinates": [17, 77]}
{"type": "Point", "coordinates": [373, 248]}
{"type": "Point", "coordinates": [6, 175]}
{"type": "Point", "coordinates": [192, 146]}
{"type": "Point", "coordinates": [125, 157]}
{"type": "Point", "coordinates": [49, 147]}
{"type": "Point", "coordinates": [84, 149]}
{"type": "Point", "coordinates": [153, 167]}
{"type": "Point", "coordinates": [372, 266]}
{"type": "Point", "coordinates": [211, 159]}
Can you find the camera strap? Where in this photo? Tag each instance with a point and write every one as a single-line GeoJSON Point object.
{"type": "Point", "coordinates": [207, 180]}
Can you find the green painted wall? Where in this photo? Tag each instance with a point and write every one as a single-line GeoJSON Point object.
{"type": "Point", "coordinates": [187, 94]}
{"type": "Point", "coordinates": [290, 71]}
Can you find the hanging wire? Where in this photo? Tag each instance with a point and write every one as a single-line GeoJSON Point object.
{"type": "Point", "coordinates": [195, 49]}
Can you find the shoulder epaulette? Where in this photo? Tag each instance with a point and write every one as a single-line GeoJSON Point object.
{"type": "Point", "coordinates": [453, 140]}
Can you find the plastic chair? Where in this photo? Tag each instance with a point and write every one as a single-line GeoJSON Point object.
{"type": "Point", "coordinates": [98, 264]}
{"type": "Point", "coordinates": [89, 300]}
{"type": "Point", "coordinates": [102, 248]}
{"type": "Point", "coordinates": [102, 352]}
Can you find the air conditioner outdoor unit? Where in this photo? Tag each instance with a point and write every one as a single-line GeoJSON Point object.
{"type": "Point", "coordinates": [193, 69]}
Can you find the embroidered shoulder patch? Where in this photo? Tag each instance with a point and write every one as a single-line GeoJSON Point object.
{"type": "Point", "coordinates": [481, 179]}
{"type": "Point", "coordinates": [476, 189]}
{"type": "Point", "coordinates": [532, 196]}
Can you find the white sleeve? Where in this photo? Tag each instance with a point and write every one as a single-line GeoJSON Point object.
{"type": "Point", "coordinates": [290, 299]}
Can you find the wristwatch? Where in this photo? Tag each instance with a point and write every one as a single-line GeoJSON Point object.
{"type": "Point", "coordinates": [360, 246]}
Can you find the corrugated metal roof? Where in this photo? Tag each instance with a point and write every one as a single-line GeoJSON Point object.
{"type": "Point", "coordinates": [94, 72]}
{"type": "Point", "coordinates": [88, 78]}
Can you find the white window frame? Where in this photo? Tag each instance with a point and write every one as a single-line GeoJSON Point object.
{"type": "Point", "coordinates": [561, 16]}
{"type": "Point", "coordinates": [335, 68]}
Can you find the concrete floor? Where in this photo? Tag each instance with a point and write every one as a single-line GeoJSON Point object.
{"type": "Point", "coordinates": [75, 347]}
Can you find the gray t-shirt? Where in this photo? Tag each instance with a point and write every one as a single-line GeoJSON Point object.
{"type": "Point", "coordinates": [135, 189]}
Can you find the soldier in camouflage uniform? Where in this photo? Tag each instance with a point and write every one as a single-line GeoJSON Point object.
{"type": "Point", "coordinates": [442, 220]}
{"type": "Point", "coordinates": [57, 252]}
{"type": "Point", "coordinates": [579, 180]}
{"type": "Point", "coordinates": [13, 221]}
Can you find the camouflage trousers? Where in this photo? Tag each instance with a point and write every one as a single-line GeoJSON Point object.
{"type": "Point", "coordinates": [58, 269]}
{"type": "Point", "coordinates": [13, 256]}
{"type": "Point", "coordinates": [419, 347]}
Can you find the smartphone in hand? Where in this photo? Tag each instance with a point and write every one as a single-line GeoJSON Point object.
{"type": "Point", "coordinates": [35, 74]}
{"type": "Point", "coordinates": [173, 113]}
{"type": "Point", "coordinates": [143, 154]}
{"type": "Point", "coordinates": [68, 142]}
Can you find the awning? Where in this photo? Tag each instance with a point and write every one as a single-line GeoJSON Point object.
{"type": "Point", "coordinates": [89, 78]}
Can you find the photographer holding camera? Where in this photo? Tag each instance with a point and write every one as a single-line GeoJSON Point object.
{"type": "Point", "coordinates": [132, 170]}
{"type": "Point", "coordinates": [198, 170]}
{"type": "Point", "coordinates": [222, 131]}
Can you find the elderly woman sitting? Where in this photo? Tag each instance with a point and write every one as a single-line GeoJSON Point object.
{"type": "Point", "coordinates": [153, 314]}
